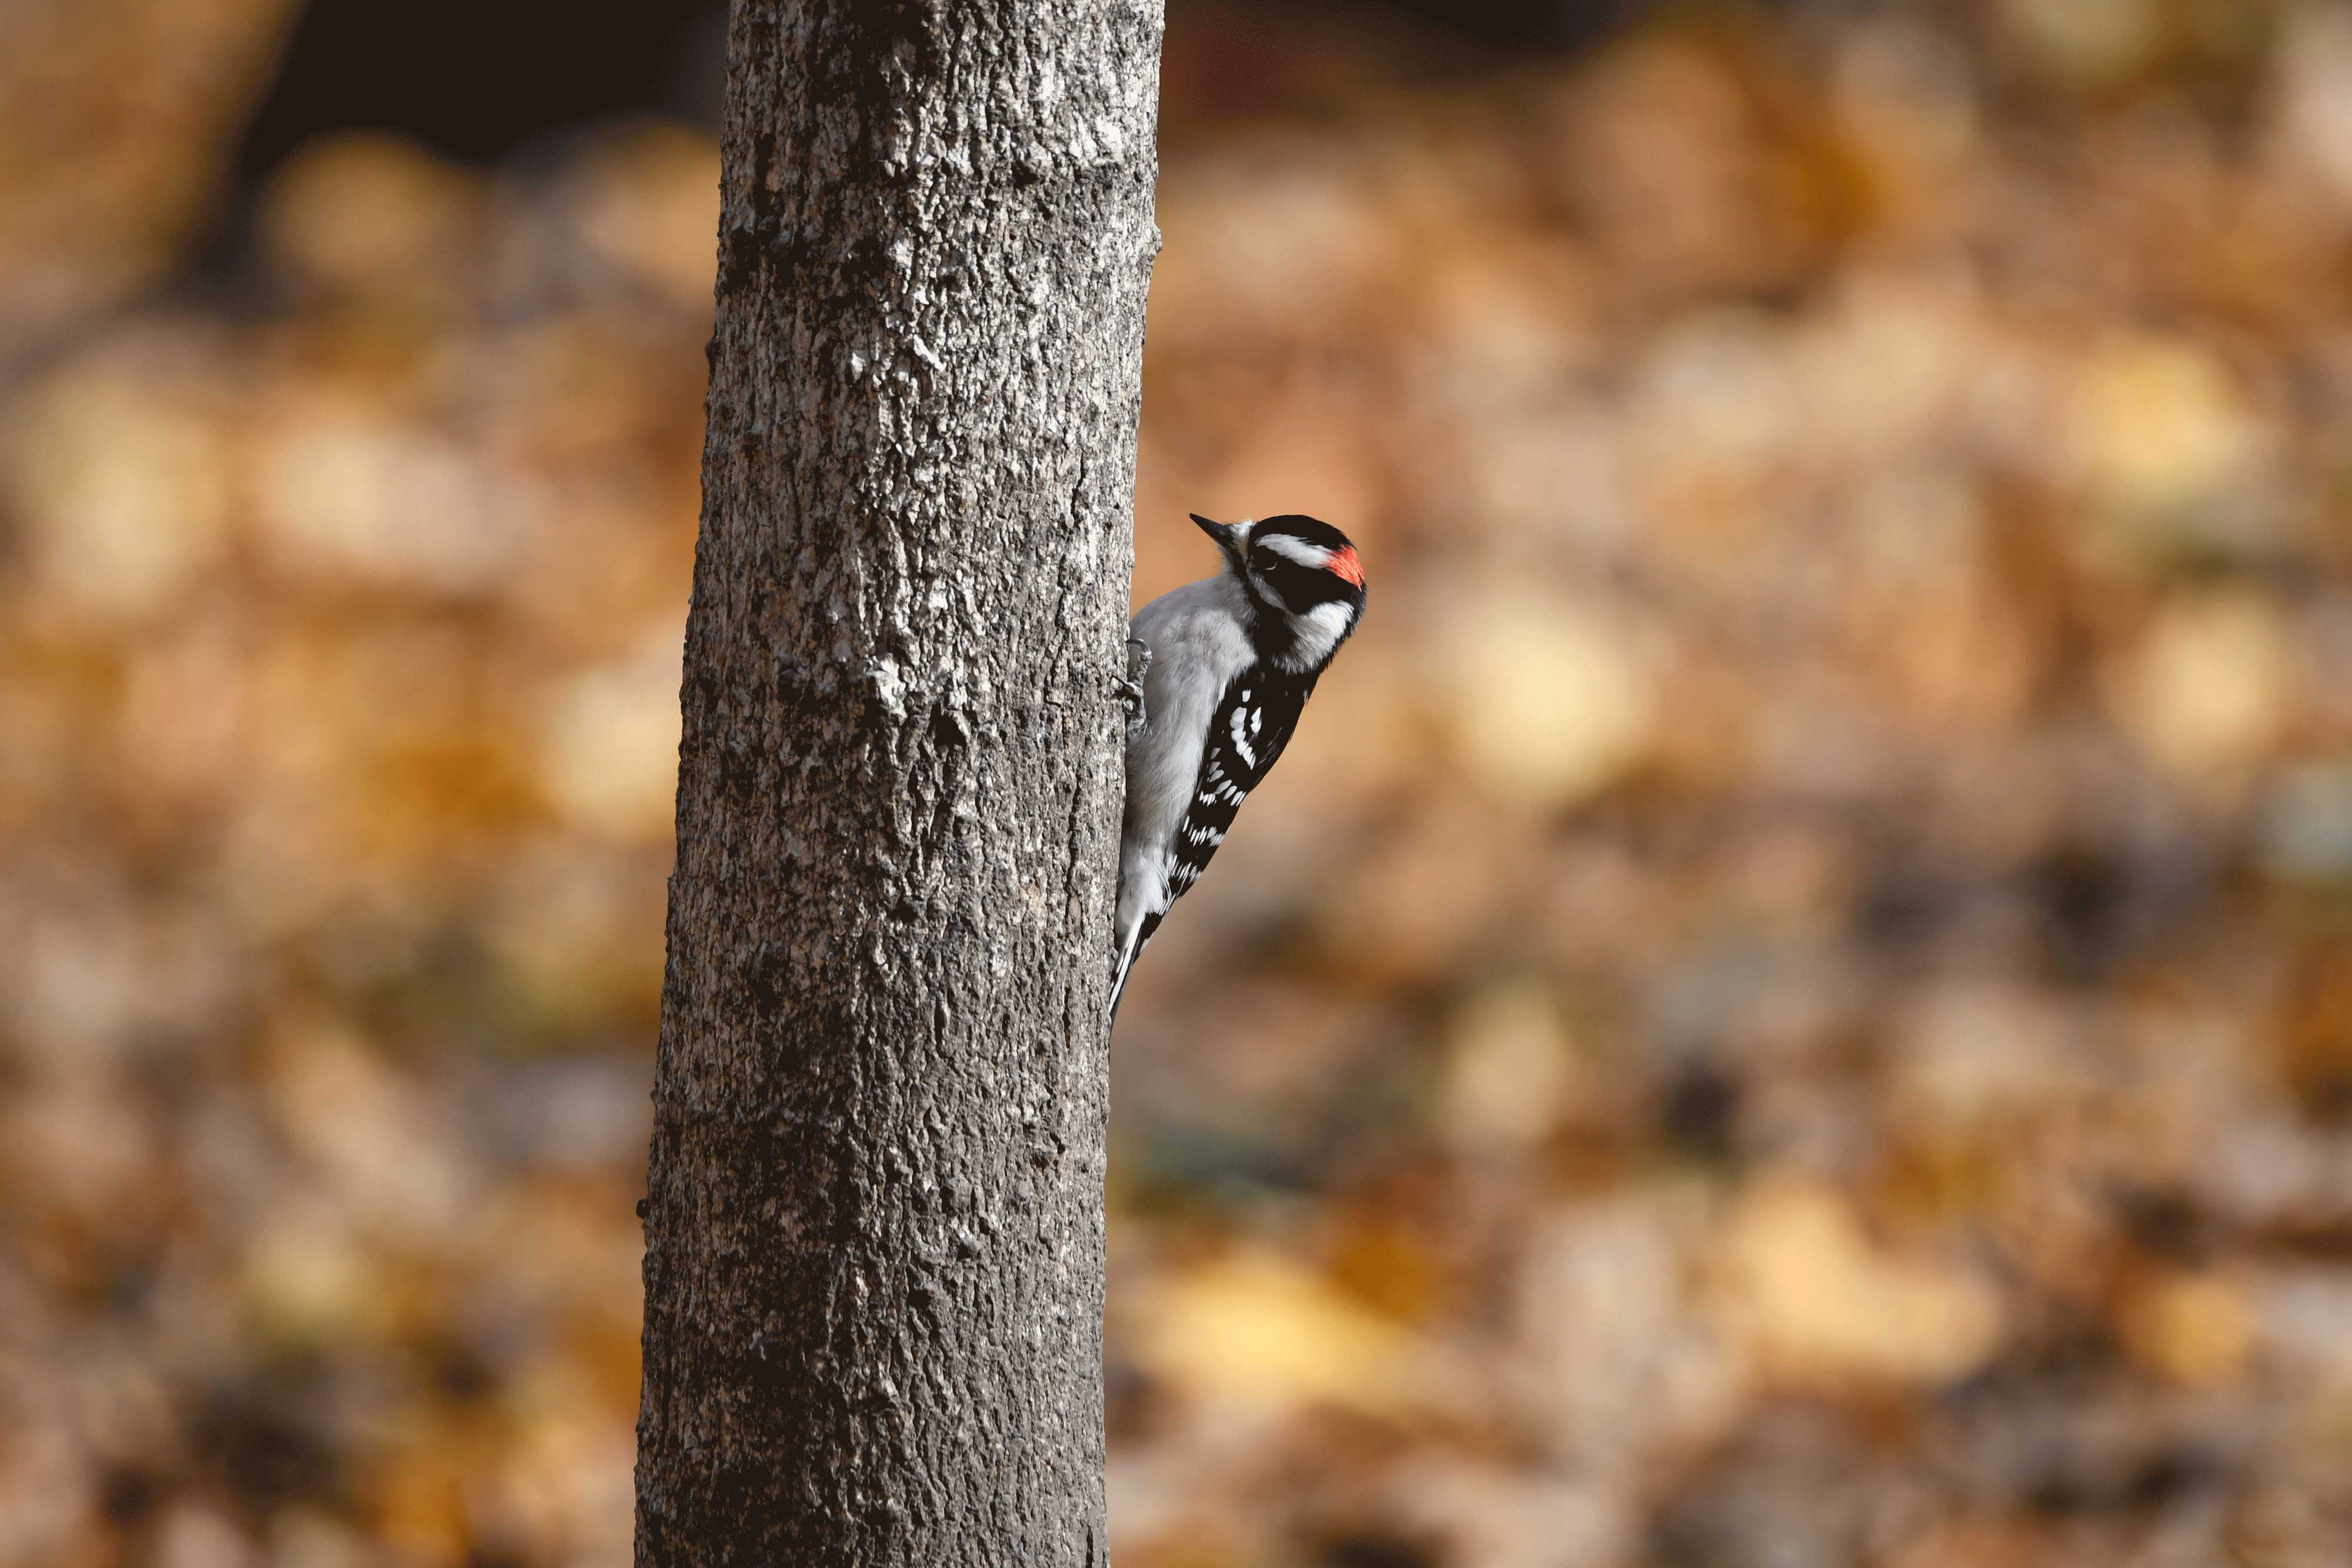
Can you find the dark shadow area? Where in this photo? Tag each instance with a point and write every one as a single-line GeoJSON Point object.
{"type": "Point", "coordinates": [472, 80]}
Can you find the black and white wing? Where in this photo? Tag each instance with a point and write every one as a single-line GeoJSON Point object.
{"type": "Point", "coordinates": [1253, 722]}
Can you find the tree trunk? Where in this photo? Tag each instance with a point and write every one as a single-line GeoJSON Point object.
{"type": "Point", "coordinates": [874, 1238]}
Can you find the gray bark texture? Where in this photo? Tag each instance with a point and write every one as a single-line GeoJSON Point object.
{"type": "Point", "coordinates": [874, 1238]}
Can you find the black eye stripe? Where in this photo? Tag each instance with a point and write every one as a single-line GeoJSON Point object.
{"type": "Point", "coordinates": [1297, 584]}
{"type": "Point", "coordinates": [1274, 565]}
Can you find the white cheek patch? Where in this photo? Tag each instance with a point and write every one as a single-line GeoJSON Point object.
{"type": "Point", "coordinates": [1291, 547]}
{"type": "Point", "coordinates": [1320, 628]}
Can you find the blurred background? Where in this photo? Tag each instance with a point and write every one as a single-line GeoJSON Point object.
{"type": "Point", "coordinates": [1791, 1006]}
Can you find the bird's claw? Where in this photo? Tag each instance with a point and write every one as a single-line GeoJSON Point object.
{"type": "Point", "coordinates": [1130, 689]}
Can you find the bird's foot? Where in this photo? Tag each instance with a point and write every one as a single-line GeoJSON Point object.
{"type": "Point", "coordinates": [1130, 690]}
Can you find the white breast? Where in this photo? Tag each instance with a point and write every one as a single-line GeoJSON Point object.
{"type": "Point", "coordinates": [1197, 648]}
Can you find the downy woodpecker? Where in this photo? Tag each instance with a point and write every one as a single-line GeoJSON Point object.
{"type": "Point", "coordinates": [1228, 662]}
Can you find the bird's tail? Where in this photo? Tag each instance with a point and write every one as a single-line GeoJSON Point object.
{"type": "Point", "coordinates": [1128, 952]}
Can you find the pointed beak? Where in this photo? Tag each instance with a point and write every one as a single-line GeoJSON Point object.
{"type": "Point", "coordinates": [1227, 535]}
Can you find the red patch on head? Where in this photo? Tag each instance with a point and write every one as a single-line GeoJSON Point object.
{"type": "Point", "coordinates": [1344, 565]}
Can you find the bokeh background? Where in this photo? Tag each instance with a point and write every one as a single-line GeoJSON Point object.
{"type": "Point", "coordinates": [1791, 1006]}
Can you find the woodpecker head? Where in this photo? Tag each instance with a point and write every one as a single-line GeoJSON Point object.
{"type": "Point", "coordinates": [1304, 578]}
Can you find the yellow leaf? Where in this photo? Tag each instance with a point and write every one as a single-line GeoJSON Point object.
{"type": "Point", "coordinates": [1253, 1330]}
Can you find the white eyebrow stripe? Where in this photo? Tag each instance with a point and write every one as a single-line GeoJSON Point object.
{"type": "Point", "coordinates": [1295, 549]}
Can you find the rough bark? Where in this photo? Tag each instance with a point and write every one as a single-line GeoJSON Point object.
{"type": "Point", "coordinates": [874, 1230]}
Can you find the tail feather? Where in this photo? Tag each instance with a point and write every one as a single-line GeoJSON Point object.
{"type": "Point", "coordinates": [1130, 951]}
